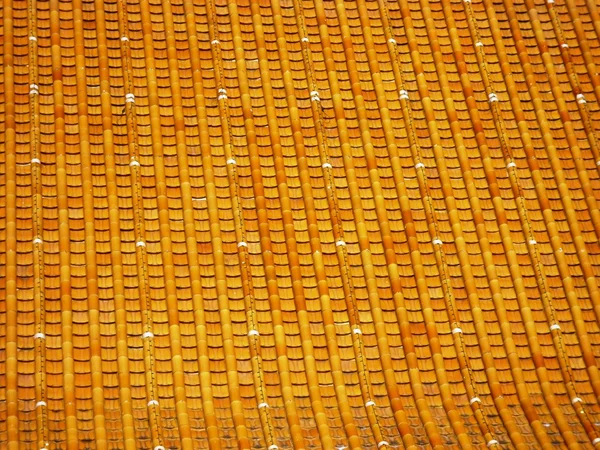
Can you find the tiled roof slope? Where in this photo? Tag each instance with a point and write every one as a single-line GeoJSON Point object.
{"type": "Point", "coordinates": [298, 224]}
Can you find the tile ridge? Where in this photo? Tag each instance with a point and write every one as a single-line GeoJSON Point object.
{"type": "Point", "coordinates": [206, 377]}
{"type": "Point", "coordinates": [582, 40]}
{"type": "Point", "coordinates": [564, 428]}
{"type": "Point", "coordinates": [225, 125]}
{"type": "Point", "coordinates": [254, 339]}
{"type": "Point", "coordinates": [93, 301]}
{"type": "Point", "coordinates": [166, 244]}
{"type": "Point", "coordinates": [582, 104]}
{"type": "Point", "coordinates": [64, 243]}
{"type": "Point", "coordinates": [38, 233]}
{"type": "Point", "coordinates": [124, 380]}
{"type": "Point", "coordinates": [12, 409]}
{"type": "Point", "coordinates": [591, 284]}
{"type": "Point", "coordinates": [391, 263]}
{"type": "Point", "coordinates": [431, 219]}
{"type": "Point", "coordinates": [424, 296]}
{"type": "Point", "coordinates": [145, 298]}
{"type": "Point", "coordinates": [507, 242]}
{"type": "Point", "coordinates": [338, 232]}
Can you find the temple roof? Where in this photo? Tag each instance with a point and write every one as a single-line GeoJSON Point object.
{"type": "Point", "coordinates": [299, 224]}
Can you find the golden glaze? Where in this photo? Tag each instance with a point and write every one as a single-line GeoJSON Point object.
{"type": "Point", "coordinates": [299, 224]}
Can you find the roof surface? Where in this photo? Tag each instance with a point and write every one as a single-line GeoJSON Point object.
{"type": "Point", "coordinates": [298, 224]}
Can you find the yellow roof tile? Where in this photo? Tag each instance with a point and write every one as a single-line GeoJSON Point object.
{"type": "Point", "coordinates": [332, 224]}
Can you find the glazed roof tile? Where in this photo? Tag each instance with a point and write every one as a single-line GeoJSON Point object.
{"type": "Point", "coordinates": [299, 224]}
